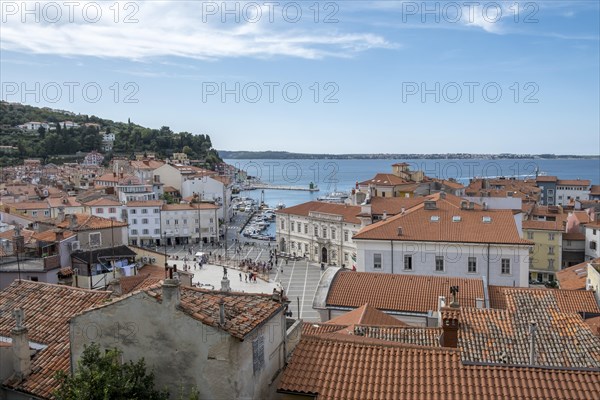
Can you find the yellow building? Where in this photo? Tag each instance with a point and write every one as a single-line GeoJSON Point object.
{"type": "Point", "coordinates": [545, 258]}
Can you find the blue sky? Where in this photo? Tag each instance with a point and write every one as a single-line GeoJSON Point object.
{"type": "Point", "coordinates": [379, 76]}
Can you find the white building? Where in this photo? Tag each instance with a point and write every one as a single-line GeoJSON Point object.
{"type": "Point", "coordinates": [210, 188]}
{"type": "Point", "coordinates": [188, 223]}
{"type": "Point", "coordinates": [106, 208]}
{"type": "Point", "coordinates": [34, 125]}
{"type": "Point", "coordinates": [571, 190]}
{"type": "Point", "coordinates": [447, 236]}
{"type": "Point", "coordinates": [144, 222]}
{"type": "Point", "coordinates": [321, 232]}
{"type": "Point", "coordinates": [592, 240]}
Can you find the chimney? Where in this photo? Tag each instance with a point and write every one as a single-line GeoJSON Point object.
{"type": "Point", "coordinates": [61, 214]}
{"type": "Point", "coordinates": [532, 332]}
{"type": "Point", "coordinates": [59, 235]}
{"type": "Point", "coordinates": [170, 293]}
{"type": "Point", "coordinates": [400, 231]}
{"type": "Point", "coordinates": [115, 287]}
{"type": "Point", "coordinates": [384, 215]}
{"type": "Point", "coordinates": [450, 324]}
{"type": "Point", "coordinates": [402, 210]}
{"type": "Point", "coordinates": [221, 312]}
{"type": "Point", "coordinates": [478, 303]}
{"type": "Point", "coordinates": [20, 346]}
{"type": "Point", "coordinates": [72, 221]}
{"type": "Point", "coordinates": [464, 205]}
{"type": "Point", "coordinates": [485, 206]}
{"type": "Point", "coordinates": [442, 195]}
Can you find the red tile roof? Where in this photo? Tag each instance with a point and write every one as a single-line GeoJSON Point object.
{"type": "Point", "coordinates": [383, 179]}
{"type": "Point", "coordinates": [418, 225]}
{"type": "Point", "coordinates": [394, 205]}
{"type": "Point", "coordinates": [85, 222]}
{"type": "Point", "coordinates": [349, 367]}
{"type": "Point", "coordinates": [145, 203]}
{"type": "Point", "coordinates": [48, 309]}
{"type": "Point", "coordinates": [502, 336]}
{"type": "Point", "coordinates": [408, 335]}
{"type": "Point", "coordinates": [103, 202]}
{"type": "Point", "coordinates": [574, 182]}
{"type": "Point", "coordinates": [312, 328]}
{"type": "Point", "coordinates": [546, 179]}
{"type": "Point", "coordinates": [366, 315]}
{"type": "Point", "coordinates": [595, 190]}
{"type": "Point", "coordinates": [243, 311]}
{"type": "Point", "coordinates": [348, 213]}
{"type": "Point", "coordinates": [574, 277]}
{"type": "Point", "coordinates": [50, 235]}
{"type": "Point", "coordinates": [393, 292]}
{"type": "Point", "coordinates": [543, 225]}
{"type": "Point", "coordinates": [567, 301]}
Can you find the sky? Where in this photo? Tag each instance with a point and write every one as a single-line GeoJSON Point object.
{"type": "Point", "coordinates": [319, 77]}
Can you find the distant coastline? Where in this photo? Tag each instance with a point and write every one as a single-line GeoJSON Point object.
{"type": "Point", "coordinates": [284, 155]}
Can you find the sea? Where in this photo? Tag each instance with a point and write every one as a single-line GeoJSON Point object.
{"type": "Point", "coordinates": [342, 175]}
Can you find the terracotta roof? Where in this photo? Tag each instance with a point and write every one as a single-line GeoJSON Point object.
{"type": "Point", "coordinates": [582, 217]}
{"type": "Point", "coordinates": [574, 277]}
{"type": "Point", "coordinates": [593, 225]}
{"type": "Point", "coordinates": [348, 213]}
{"type": "Point", "coordinates": [50, 235]}
{"type": "Point", "coordinates": [86, 222]}
{"type": "Point", "coordinates": [28, 235]}
{"type": "Point", "coordinates": [543, 225]}
{"type": "Point", "coordinates": [421, 224]}
{"type": "Point", "coordinates": [394, 205]}
{"type": "Point", "coordinates": [65, 201]}
{"type": "Point", "coordinates": [595, 190]}
{"type": "Point", "coordinates": [313, 328]}
{"type": "Point", "coordinates": [146, 164]}
{"type": "Point", "coordinates": [502, 336]}
{"type": "Point", "coordinates": [168, 189]}
{"type": "Point", "coordinates": [594, 324]}
{"type": "Point", "coordinates": [546, 179]}
{"type": "Point", "coordinates": [574, 182]}
{"type": "Point", "coordinates": [146, 203]}
{"type": "Point", "coordinates": [33, 205]}
{"type": "Point", "coordinates": [573, 236]}
{"type": "Point", "coordinates": [139, 282]}
{"type": "Point", "coordinates": [350, 367]}
{"type": "Point", "coordinates": [385, 180]}
{"type": "Point", "coordinates": [451, 184]}
{"type": "Point", "coordinates": [408, 335]}
{"type": "Point", "coordinates": [393, 292]}
{"type": "Point", "coordinates": [103, 202]}
{"type": "Point", "coordinates": [243, 311]}
{"type": "Point", "coordinates": [48, 309]}
{"type": "Point", "coordinates": [194, 206]}
{"type": "Point", "coordinates": [567, 301]}
{"type": "Point", "coordinates": [366, 315]}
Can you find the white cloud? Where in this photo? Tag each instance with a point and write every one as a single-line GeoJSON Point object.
{"type": "Point", "coordinates": [184, 29]}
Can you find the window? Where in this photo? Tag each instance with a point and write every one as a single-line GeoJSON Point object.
{"type": "Point", "coordinates": [144, 211]}
{"type": "Point", "coordinates": [176, 222]}
{"type": "Point", "coordinates": [282, 225]}
{"type": "Point", "coordinates": [592, 245]}
{"type": "Point", "coordinates": [145, 231]}
{"type": "Point", "coordinates": [346, 256]}
{"type": "Point", "coordinates": [505, 266]}
{"type": "Point", "coordinates": [550, 249]}
{"type": "Point", "coordinates": [316, 231]}
{"type": "Point", "coordinates": [95, 239]}
{"type": "Point", "coordinates": [212, 220]}
{"type": "Point", "coordinates": [593, 231]}
{"type": "Point", "coordinates": [156, 211]}
{"type": "Point", "coordinates": [325, 233]}
{"type": "Point", "coordinates": [144, 220]}
{"type": "Point", "coordinates": [258, 354]}
{"type": "Point", "coordinates": [377, 261]}
{"type": "Point", "coordinates": [550, 192]}
{"type": "Point", "coordinates": [134, 231]}
{"type": "Point", "coordinates": [185, 221]}
{"type": "Point", "coordinates": [551, 236]}
{"type": "Point", "coordinates": [530, 235]}
{"type": "Point", "coordinates": [407, 263]}
{"type": "Point", "coordinates": [46, 212]}
{"type": "Point", "coordinates": [439, 264]}
{"type": "Point", "coordinates": [168, 222]}
{"type": "Point", "coordinates": [292, 226]}
{"type": "Point", "coordinates": [551, 263]}
{"type": "Point", "coordinates": [99, 210]}
{"type": "Point", "coordinates": [306, 229]}
{"type": "Point", "coordinates": [472, 267]}
{"type": "Point", "coordinates": [157, 231]}
{"type": "Point", "coordinates": [333, 233]}
{"type": "Point", "coordinates": [133, 211]}
{"type": "Point", "coordinates": [306, 247]}
{"type": "Point", "coordinates": [112, 210]}
{"type": "Point", "coordinates": [345, 236]}
{"type": "Point", "coordinates": [34, 213]}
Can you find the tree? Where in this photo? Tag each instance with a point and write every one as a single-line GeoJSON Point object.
{"type": "Point", "coordinates": [102, 377]}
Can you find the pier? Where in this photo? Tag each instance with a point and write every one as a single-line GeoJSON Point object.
{"type": "Point", "coordinates": [256, 186]}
